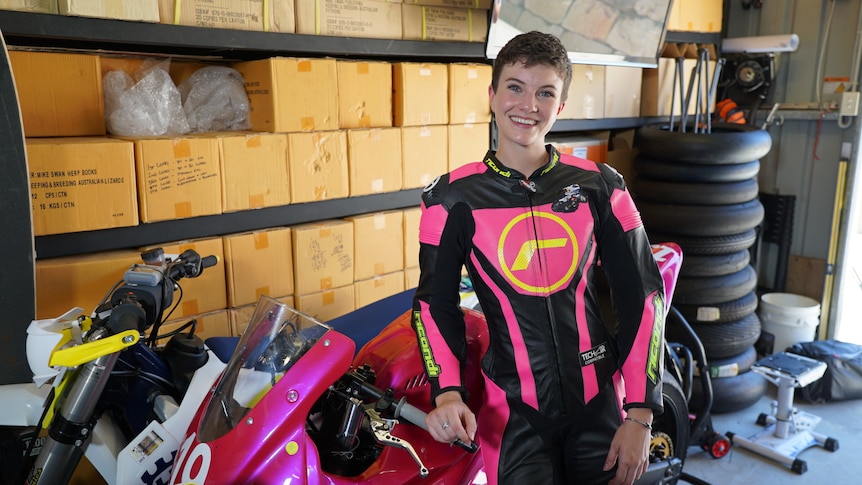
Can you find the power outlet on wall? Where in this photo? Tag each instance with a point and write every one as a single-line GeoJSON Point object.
{"type": "Point", "coordinates": [849, 103]}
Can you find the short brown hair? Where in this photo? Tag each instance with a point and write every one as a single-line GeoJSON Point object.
{"type": "Point", "coordinates": [532, 48]}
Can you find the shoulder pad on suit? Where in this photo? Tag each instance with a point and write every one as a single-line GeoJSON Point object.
{"type": "Point", "coordinates": [611, 176]}
{"type": "Point", "coordinates": [434, 192]}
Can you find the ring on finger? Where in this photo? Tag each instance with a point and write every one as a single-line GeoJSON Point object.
{"type": "Point", "coordinates": [445, 424]}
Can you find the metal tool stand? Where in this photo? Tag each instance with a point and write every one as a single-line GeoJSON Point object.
{"type": "Point", "coordinates": [788, 430]}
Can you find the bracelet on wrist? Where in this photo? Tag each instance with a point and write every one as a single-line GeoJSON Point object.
{"type": "Point", "coordinates": [642, 423]}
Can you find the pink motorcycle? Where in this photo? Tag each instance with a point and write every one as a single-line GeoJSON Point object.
{"type": "Point", "coordinates": [295, 404]}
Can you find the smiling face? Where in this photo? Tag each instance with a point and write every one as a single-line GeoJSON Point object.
{"type": "Point", "coordinates": [525, 104]}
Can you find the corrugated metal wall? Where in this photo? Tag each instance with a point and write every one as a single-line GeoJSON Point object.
{"type": "Point", "coordinates": [804, 160]}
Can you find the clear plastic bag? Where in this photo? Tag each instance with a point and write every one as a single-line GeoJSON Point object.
{"type": "Point", "coordinates": [148, 105]}
{"type": "Point", "coordinates": [214, 99]}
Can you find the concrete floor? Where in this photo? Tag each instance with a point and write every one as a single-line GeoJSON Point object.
{"type": "Point", "coordinates": [839, 420]}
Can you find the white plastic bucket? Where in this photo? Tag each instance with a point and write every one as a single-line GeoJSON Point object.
{"type": "Point", "coordinates": [790, 318]}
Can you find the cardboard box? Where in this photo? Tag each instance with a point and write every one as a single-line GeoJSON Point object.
{"type": "Point", "coordinates": [81, 184]}
{"type": "Point", "coordinates": [621, 154]}
{"type": "Point", "coordinates": [329, 304]}
{"type": "Point", "coordinates": [254, 170]}
{"type": "Point", "coordinates": [318, 166]}
{"type": "Point", "coordinates": [591, 146]}
{"type": "Point", "coordinates": [211, 324]}
{"type": "Point", "coordinates": [658, 89]}
{"type": "Point", "coordinates": [364, 94]}
{"type": "Point", "coordinates": [586, 97]}
{"type": "Point", "coordinates": [178, 178]}
{"type": "Point", "coordinates": [374, 160]}
{"type": "Point", "coordinates": [700, 15]}
{"type": "Point", "coordinates": [258, 263]}
{"type": "Point", "coordinates": [280, 93]}
{"type": "Point", "coordinates": [35, 6]}
{"type": "Point", "coordinates": [354, 18]}
{"type": "Point", "coordinates": [78, 281]}
{"type": "Point", "coordinates": [207, 292]}
{"type": "Point", "coordinates": [468, 93]}
{"type": "Point", "coordinates": [138, 10]}
{"type": "Point", "coordinates": [411, 236]}
{"type": "Point", "coordinates": [468, 143]}
{"type": "Point", "coordinates": [377, 288]}
{"type": "Point", "coordinates": [68, 102]}
{"type": "Point", "coordinates": [481, 4]}
{"type": "Point", "coordinates": [378, 242]}
{"type": "Point", "coordinates": [230, 14]}
{"type": "Point", "coordinates": [241, 316]}
{"type": "Point", "coordinates": [421, 22]}
{"type": "Point", "coordinates": [323, 256]}
{"type": "Point", "coordinates": [425, 154]}
{"type": "Point", "coordinates": [623, 87]}
{"type": "Point", "coordinates": [411, 277]}
{"type": "Point", "coordinates": [673, 20]}
{"type": "Point", "coordinates": [420, 93]}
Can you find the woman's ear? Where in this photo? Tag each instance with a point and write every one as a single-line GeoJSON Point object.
{"type": "Point", "coordinates": [560, 109]}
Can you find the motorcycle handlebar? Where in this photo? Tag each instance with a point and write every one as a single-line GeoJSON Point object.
{"type": "Point", "coordinates": [417, 416]}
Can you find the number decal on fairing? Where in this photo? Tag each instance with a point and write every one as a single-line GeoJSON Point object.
{"type": "Point", "coordinates": [193, 465]}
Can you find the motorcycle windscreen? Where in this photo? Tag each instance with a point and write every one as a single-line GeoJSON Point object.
{"type": "Point", "coordinates": [277, 336]}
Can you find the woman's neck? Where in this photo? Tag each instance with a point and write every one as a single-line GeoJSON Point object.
{"type": "Point", "coordinates": [524, 159]}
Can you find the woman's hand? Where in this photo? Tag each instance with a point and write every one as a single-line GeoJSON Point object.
{"type": "Point", "coordinates": [451, 419]}
{"type": "Point", "coordinates": [630, 448]}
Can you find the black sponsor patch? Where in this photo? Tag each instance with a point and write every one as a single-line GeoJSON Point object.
{"type": "Point", "coordinates": [595, 354]}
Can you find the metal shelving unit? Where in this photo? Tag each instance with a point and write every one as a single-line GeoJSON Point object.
{"type": "Point", "coordinates": [45, 31]}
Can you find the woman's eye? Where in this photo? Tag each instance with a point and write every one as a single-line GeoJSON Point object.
{"type": "Point", "coordinates": [547, 94]}
{"type": "Point", "coordinates": [514, 88]}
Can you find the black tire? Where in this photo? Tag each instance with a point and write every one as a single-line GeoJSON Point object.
{"type": "Point", "coordinates": [728, 143]}
{"type": "Point", "coordinates": [701, 220]}
{"type": "Point", "coordinates": [706, 245]}
{"type": "Point", "coordinates": [731, 394]}
{"type": "Point", "coordinates": [715, 289]}
{"type": "Point", "coordinates": [719, 193]}
{"type": "Point", "coordinates": [720, 312]}
{"type": "Point", "coordinates": [674, 420]}
{"type": "Point", "coordinates": [720, 340]}
{"type": "Point", "coordinates": [714, 265]}
{"type": "Point", "coordinates": [733, 365]}
{"type": "Point", "coordinates": [687, 172]}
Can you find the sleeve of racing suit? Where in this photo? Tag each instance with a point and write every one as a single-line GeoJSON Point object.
{"type": "Point", "coordinates": [638, 294]}
{"type": "Point", "coordinates": [437, 317]}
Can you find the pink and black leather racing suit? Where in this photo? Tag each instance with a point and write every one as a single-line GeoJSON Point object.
{"type": "Point", "coordinates": [557, 380]}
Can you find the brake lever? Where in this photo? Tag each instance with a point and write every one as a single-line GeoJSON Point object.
{"type": "Point", "coordinates": [382, 433]}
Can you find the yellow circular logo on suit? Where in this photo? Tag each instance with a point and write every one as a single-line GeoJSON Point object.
{"type": "Point", "coordinates": [538, 260]}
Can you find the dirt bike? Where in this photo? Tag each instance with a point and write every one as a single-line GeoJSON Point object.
{"type": "Point", "coordinates": [297, 404]}
{"type": "Point", "coordinates": [116, 396]}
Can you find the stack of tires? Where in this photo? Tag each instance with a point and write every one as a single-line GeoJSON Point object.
{"type": "Point", "coordinates": [700, 190]}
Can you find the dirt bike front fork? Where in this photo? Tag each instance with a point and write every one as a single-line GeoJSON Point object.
{"type": "Point", "coordinates": [71, 427]}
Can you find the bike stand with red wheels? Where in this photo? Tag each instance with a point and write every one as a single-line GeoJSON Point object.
{"type": "Point", "coordinates": [788, 430]}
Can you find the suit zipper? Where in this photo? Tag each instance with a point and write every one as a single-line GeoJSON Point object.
{"type": "Point", "coordinates": [530, 189]}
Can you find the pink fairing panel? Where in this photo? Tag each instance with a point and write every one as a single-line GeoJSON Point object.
{"type": "Point", "coordinates": [625, 211]}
